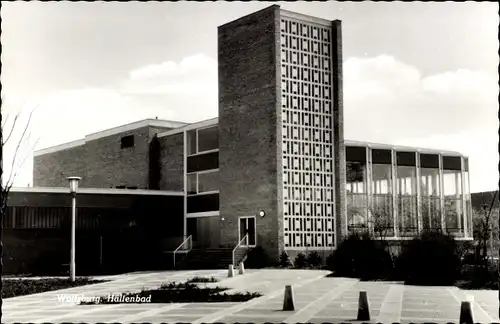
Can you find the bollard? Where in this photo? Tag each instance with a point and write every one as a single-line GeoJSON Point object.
{"type": "Point", "coordinates": [230, 271]}
{"type": "Point", "coordinates": [363, 307]}
{"type": "Point", "coordinates": [466, 313]}
{"type": "Point", "coordinates": [241, 268]}
{"type": "Point", "coordinates": [289, 300]}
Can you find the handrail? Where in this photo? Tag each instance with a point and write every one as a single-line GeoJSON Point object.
{"type": "Point", "coordinates": [188, 239]}
{"type": "Point", "coordinates": [245, 238]}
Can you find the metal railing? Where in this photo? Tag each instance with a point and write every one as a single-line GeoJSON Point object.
{"type": "Point", "coordinates": [244, 239]}
{"type": "Point", "coordinates": [189, 241]}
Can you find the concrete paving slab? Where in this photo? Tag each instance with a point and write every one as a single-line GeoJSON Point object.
{"type": "Point", "coordinates": [316, 298]}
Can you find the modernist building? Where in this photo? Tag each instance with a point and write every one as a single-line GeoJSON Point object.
{"type": "Point", "coordinates": [274, 166]}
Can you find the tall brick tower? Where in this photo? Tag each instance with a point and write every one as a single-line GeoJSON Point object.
{"type": "Point", "coordinates": [281, 135]}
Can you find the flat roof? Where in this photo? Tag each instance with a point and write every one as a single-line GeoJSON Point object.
{"type": "Point", "coordinates": [110, 132]}
{"type": "Point", "coordinates": [99, 191]}
{"type": "Point", "coordinates": [180, 127]}
{"type": "Point", "coordinates": [401, 148]}
{"type": "Point", "coordinates": [197, 125]}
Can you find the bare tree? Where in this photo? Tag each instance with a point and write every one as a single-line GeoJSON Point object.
{"type": "Point", "coordinates": [483, 227]}
{"type": "Point", "coordinates": [19, 156]}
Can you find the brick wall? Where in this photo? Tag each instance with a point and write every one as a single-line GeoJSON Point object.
{"type": "Point", "coordinates": [172, 162]}
{"type": "Point", "coordinates": [248, 125]}
{"type": "Point", "coordinates": [110, 165]}
{"type": "Point", "coordinates": [101, 163]}
{"type": "Point", "coordinates": [52, 170]}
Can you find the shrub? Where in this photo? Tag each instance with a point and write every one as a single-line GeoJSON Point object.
{"type": "Point", "coordinates": [257, 258]}
{"type": "Point", "coordinates": [300, 261]}
{"type": "Point", "coordinates": [430, 259]}
{"type": "Point", "coordinates": [284, 260]}
{"type": "Point", "coordinates": [314, 259]}
{"type": "Point", "coordinates": [360, 256]}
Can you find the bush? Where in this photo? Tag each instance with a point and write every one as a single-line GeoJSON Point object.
{"type": "Point", "coordinates": [360, 256]}
{"type": "Point", "coordinates": [300, 261]}
{"type": "Point", "coordinates": [257, 258]}
{"type": "Point", "coordinates": [285, 261]}
{"type": "Point", "coordinates": [431, 259]}
{"type": "Point", "coordinates": [21, 287]}
{"type": "Point", "coordinates": [314, 259]}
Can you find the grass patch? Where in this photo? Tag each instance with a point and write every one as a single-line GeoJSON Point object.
{"type": "Point", "coordinates": [21, 287]}
{"type": "Point", "coordinates": [175, 292]}
{"type": "Point", "coordinates": [202, 280]}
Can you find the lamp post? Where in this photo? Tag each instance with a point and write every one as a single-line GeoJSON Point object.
{"type": "Point", "coordinates": [73, 187]}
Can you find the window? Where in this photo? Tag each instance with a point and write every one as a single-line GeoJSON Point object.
{"type": "Point", "coordinates": [430, 196]}
{"type": "Point", "coordinates": [452, 191]}
{"type": "Point", "coordinates": [192, 186]}
{"type": "Point", "coordinates": [127, 141]}
{"type": "Point", "coordinates": [202, 182]}
{"type": "Point", "coordinates": [202, 140]}
{"type": "Point", "coordinates": [192, 228]}
{"type": "Point", "coordinates": [208, 181]}
{"type": "Point", "coordinates": [381, 211]}
{"type": "Point", "coordinates": [191, 142]}
{"type": "Point", "coordinates": [406, 196]}
{"type": "Point", "coordinates": [208, 139]}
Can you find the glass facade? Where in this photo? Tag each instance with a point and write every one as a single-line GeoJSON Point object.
{"type": "Point", "coordinates": [397, 194]}
{"type": "Point", "coordinates": [406, 193]}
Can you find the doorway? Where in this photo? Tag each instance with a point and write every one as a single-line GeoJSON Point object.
{"type": "Point", "coordinates": [247, 226]}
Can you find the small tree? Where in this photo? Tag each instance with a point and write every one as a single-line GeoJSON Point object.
{"type": "Point", "coordinates": [20, 154]}
{"type": "Point", "coordinates": [483, 223]}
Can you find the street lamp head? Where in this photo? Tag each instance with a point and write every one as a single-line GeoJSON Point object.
{"type": "Point", "coordinates": [73, 184]}
{"type": "Point", "coordinates": [262, 213]}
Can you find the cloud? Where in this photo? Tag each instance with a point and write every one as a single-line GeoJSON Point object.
{"type": "Point", "coordinates": [385, 100]}
{"type": "Point", "coordinates": [388, 101]}
{"type": "Point", "coordinates": [194, 75]}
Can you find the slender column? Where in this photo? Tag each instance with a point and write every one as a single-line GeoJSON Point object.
{"type": "Point", "coordinates": [73, 233]}
{"type": "Point", "coordinates": [184, 222]}
{"type": "Point", "coordinates": [441, 193]}
{"type": "Point", "coordinates": [369, 189]}
{"type": "Point", "coordinates": [419, 199]}
{"type": "Point", "coordinates": [465, 211]}
{"type": "Point", "coordinates": [392, 187]}
{"type": "Point", "coordinates": [13, 216]}
{"type": "Point", "coordinates": [458, 200]}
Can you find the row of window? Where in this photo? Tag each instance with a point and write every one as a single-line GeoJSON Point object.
{"type": "Point", "coordinates": [58, 217]}
{"type": "Point", "coordinates": [430, 182]}
{"type": "Point", "coordinates": [305, 74]}
{"type": "Point", "coordinates": [305, 30]}
{"type": "Point", "coordinates": [202, 140]}
{"type": "Point", "coordinates": [381, 214]}
{"type": "Point", "coordinates": [302, 59]}
{"type": "Point", "coordinates": [304, 104]}
{"type": "Point", "coordinates": [202, 182]}
{"type": "Point", "coordinates": [384, 156]}
{"type": "Point", "coordinates": [305, 45]}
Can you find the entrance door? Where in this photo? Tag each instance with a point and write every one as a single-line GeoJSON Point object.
{"type": "Point", "coordinates": [247, 227]}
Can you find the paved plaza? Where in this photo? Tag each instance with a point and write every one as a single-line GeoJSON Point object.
{"type": "Point", "coordinates": [317, 299]}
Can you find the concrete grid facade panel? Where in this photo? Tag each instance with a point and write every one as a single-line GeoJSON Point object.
{"type": "Point", "coordinates": [307, 121]}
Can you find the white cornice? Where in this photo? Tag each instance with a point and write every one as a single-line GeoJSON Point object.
{"type": "Point", "coordinates": [400, 148]}
{"type": "Point", "coordinates": [110, 132]}
{"type": "Point", "coordinates": [60, 147]}
{"type": "Point", "coordinates": [306, 18]}
{"type": "Point", "coordinates": [132, 126]}
{"type": "Point", "coordinates": [197, 125]}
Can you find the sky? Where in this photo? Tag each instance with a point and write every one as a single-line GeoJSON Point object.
{"type": "Point", "coordinates": [415, 73]}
